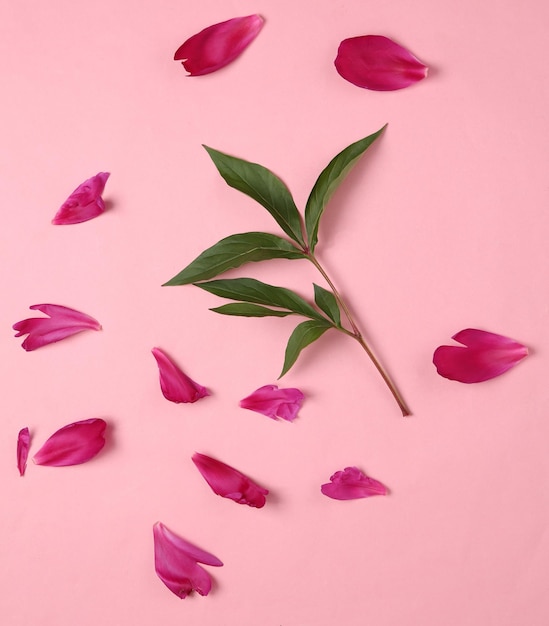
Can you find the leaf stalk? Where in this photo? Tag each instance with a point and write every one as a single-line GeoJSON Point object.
{"type": "Point", "coordinates": [357, 335]}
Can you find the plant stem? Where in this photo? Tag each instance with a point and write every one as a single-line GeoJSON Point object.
{"type": "Point", "coordinates": [357, 335]}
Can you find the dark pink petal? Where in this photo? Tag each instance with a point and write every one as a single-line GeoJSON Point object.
{"type": "Point", "coordinates": [351, 484]}
{"type": "Point", "coordinates": [176, 386]}
{"type": "Point", "coordinates": [62, 322]}
{"type": "Point", "coordinates": [84, 203]}
{"type": "Point", "coordinates": [23, 445]}
{"type": "Point", "coordinates": [218, 45]}
{"type": "Point", "coordinates": [229, 483]}
{"type": "Point", "coordinates": [274, 402]}
{"type": "Point", "coordinates": [73, 444]}
{"type": "Point", "coordinates": [484, 355]}
{"type": "Point", "coordinates": [176, 563]}
{"type": "Point", "coordinates": [378, 63]}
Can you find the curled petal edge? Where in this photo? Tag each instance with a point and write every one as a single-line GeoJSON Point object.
{"type": "Point", "coordinates": [23, 445]}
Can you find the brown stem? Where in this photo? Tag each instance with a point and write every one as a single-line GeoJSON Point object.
{"type": "Point", "coordinates": [356, 334]}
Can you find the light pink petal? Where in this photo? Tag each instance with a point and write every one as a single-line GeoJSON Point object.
{"type": "Point", "coordinates": [175, 384]}
{"type": "Point", "coordinates": [274, 402]}
{"type": "Point", "coordinates": [378, 63]}
{"type": "Point", "coordinates": [61, 323]}
{"type": "Point", "coordinates": [73, 444]}
{"type": "Point", "coordinates": [484, 355]}
{"type": "Point", "coordinates": [218, 45]}
{"type": "Point", "coordinates": [351, 484]}
{"type": "Point", "coordinates": [229, 483]}
{"type": "Point", "coordinates": [84, 203]}
{"type": "Point", "coordinates": [23, 445]}
{"type": "Point", "coordinates": [176, 563]}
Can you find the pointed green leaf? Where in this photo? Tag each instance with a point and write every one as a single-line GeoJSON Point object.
{"type": "Point", "coordinates": [244, 309]}
{"type": "Point", "coordinates": [256, 292]}
{"type": "Point", "coordinates": [325, 300]}
{"type": "Point", "coordinates": [328, 182]}
{"type": "Point", "coordinates": [303, 335]}
{"type": "Point", "coordinates": [235, 251]}
{"type": "Point", "coordinates": [264, 187]}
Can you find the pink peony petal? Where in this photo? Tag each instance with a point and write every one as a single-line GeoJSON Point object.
{"type": "Point", "coordinates": [73, 444]}
{"type": "Point", "coordinates": [23, 445]}
{"type": "Point", "coordinates": [62, 322]}
{"type": "Point", "coordinates": [84, 203]}
{"type": "Point", "coordinates": [484, 355]}
{"type": "Point", "coordinates": [176, 386]}
{"type": "Point", "coordinates": [176, 563]}
{"type": "Point", "coordinates": [229, 483]}
{"type": "Point", "coordinates": [274, 402]}
{"type": "Point", "coordinates": [378, 63]}
{"type": "Point", "coordinates": [351, 484]}
{"type": "Point", "coordinates": [218, 45]}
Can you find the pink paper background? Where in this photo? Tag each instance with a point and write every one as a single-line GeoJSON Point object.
{"type": "Point", "coordinates": [442, 226]}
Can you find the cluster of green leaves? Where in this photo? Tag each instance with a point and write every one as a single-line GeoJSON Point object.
{"type": "Point", "coordinates": [254, 298]}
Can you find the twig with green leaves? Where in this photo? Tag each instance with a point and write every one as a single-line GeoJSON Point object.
{"type": "Point", "coordinates": [254, 298]}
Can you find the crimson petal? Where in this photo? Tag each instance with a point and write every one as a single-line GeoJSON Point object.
{"type": "Point", "coordinates": [175, 384]}
{"type": "Point", "coordinates": [176, 563]}
{"type": "Point", "coordinates": [273, 402]}
{"type": "Point", "coordinates": [378, 63]}
{"type": "Point", "coordinates": [228, 482]}
{"type": "Point", "coordinates": [23, 445]}
{"type": "Point", "coordinates": [482, 356]}
{"type": "Point", "coordinates": [61, 323]}
{"type": "Point", "coordinates": [352, 483]}
{"type": "Point", "coordinates": [218, 45]}
{"type": "Point", "coordinates": [84, 203]}
{"type": "Point", "coordinates": [73, 444]}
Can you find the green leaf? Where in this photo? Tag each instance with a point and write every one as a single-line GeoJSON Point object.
{"type": "Point", "coordinates": [325, 300]}
{"type": "Point", "coordinates": [328, 182]}
{"type": "Point", "coordinates": [244, 309]}
{"type": "Point", "coordinates": [264, 187]}
{"type": "Point", "coordinates": [235, 251]}
{"type": "Point", "coordinates": [251, 290]}
{"type": "Point", "coordinates": [303, 335]}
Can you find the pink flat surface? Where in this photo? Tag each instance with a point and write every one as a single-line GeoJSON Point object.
{"type": "Point", "coordinates": [442, 226]}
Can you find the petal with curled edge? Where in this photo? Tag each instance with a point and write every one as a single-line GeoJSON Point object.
{"type": "Point", "coordinates": [273, 402]}
{"type": "Point", "coordinates": [351, 484]}
{"type": "Point", "coordinates": [84, 203]}
{"type": "Point", "coordinates": [176, 385]}
{"type": "Point", "coordinates": [176, 563]}
{"type": "Point", "coordinates": [61, 323]}
{"type": "Point", "coordinates": [228, 482]}
{"type": "Point", "coordinates": [23, 445]}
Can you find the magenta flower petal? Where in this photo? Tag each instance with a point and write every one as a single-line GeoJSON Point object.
{"type": "Point", "coordinates": [378, 63]}
{"type": "Point", "coordinates": [176, 563]}
{"type": "Point", "coordinates": [73, 444]}
{"type": "Point", "coordinates": [177, 386]}
{"type": "Point", "coordinates": [84, 203]}
{"type": "Point", "coordinates": [62, 322]}
{"type": "Point", "coordinates": [351, 484]}
{"type": "Point", "coordinates": [229, 483]}
{"type": "Point", "coordinates": [274, 402]}
{"type": "Point", "coordinates": [484, 355]}
{"type": "Point", "coordinates": [218, 45]}
{"type": "Point", "coordinates": [23, 445]}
